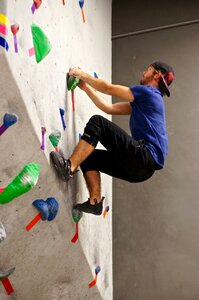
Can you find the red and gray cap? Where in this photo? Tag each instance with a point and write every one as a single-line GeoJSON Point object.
{"type": "Point", "coordinates": [167, 74]}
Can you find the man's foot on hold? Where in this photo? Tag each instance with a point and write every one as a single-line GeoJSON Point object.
{"type": "Point", "coordinates": [62, 166]}
{"type": "Point", "coordinates": [95, 209]}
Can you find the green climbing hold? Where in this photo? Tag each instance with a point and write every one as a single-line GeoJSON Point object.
{"type": "Point", "coordinates": [41, 43]}
{"type": "Point", "coordinates": [22, 183]}
{"type": "Point", "coordinates": [54, 137]}
{"type": "Point", "coordinates": [72, 82]}
{"type": "Point", "coordinates": [76, 214]}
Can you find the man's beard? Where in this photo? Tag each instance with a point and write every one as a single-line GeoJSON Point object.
{"type": "Point", "coordinates": [146, 80]}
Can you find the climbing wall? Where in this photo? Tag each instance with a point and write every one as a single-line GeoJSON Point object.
{"type": "Point", "coordinates": [39, 42]}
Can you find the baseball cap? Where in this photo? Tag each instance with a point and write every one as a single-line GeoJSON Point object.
{"type": "Point", "coordinates": [167, 75]}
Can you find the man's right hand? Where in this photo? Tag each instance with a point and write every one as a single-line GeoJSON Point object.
{"type": "Point", "coordinates": [76, 72]}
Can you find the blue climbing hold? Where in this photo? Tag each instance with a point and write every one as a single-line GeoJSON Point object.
{"type": "Point", "coordinates": [53, 207]}
{"type": "Point", "coordinates": [10, 119]}
{"type": "Point", "coordinates": [42, 207]}
{"type": "Point", "coordinates": [4, 43]}
{"type": "Point", "coordinates": [97, 270]}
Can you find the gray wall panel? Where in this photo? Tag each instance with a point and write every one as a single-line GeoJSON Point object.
{"type": "Point", "coordinates": [155, 223]}
{"type": "Point", "coordinates": [137, 15]}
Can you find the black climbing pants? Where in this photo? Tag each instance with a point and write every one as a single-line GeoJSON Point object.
{"type": "Point", "coordinates": [124, 157]}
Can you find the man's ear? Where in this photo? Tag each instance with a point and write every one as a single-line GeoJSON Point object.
{"type": "Point", "coordinates": [157, 77]}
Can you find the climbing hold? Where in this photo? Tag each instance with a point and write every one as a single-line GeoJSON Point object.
{"type": "Point", "coordinates": [3, 29]}
{"type": "Point", "coordinates": [4, 20]}
{"type": "Point", "coordinates": [81, 4]}
{"type": "Point", "coordinates": [15, 29]}
{"type": "Point", "coordinates": [54, 138]}
{"type": "Point", "coordinates": [8, 120]}
{"type": "Point", "coordinates": [47, 211]}
{"type": "Point", "coordinates": [105, 211]}
{"type": "Point", "coordinates": [97, 270]}
{"type": "Point", "coordinates": [72, 82]}
{"type": "Point", "coordinates": [76, 214]}
{"type": "Point", "coordinates": [41, 43]}
{"type": "Point", "coordinates": [3, 43]}
{"type": "Point", "coordinates": [62, 112]}
{"type": "Point", "coordinates": [43, 131]}
{"type": "Point", "coordinates": [36, 5]}
{"type": "Point", "coordinates": [92, 283]}
{"type": "Point", "coordinates": [22, 183]}
{"type": "Point", "coordinates": [42, 208]}
{"type": "Point", "coordinates": [53, 207]}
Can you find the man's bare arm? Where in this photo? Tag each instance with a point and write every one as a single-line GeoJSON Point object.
{"type": "Point", "coordinates": [120, 108]}
{"type": "Point", "coordinates": [103, 86]}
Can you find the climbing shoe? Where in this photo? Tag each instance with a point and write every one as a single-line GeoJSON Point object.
{"type": "Point", "coordinates": [62, 166]}
{"type": "Point", "coordinates": [95, 209]}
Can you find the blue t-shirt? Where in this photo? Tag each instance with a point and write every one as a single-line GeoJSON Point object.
{"type": "Point", "coordinates": [147, 121]}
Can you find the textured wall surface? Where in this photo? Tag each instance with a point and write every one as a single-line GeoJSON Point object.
{"type": "Point", "coordinates": [48, 265]}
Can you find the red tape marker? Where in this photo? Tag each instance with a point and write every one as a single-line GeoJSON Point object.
{"type": "Point", "coordinates": [75, 238]}
{"type": "Point", "coordinates": [33, 222]}
{"type": "Point", "coordinates": [83, 16]}
{"type": "Point", "coordinates": [92, 283]}
{"type": "Point", "coordinates": [7, 285]}
{"type": "Point", "coordinates": [73, 99]}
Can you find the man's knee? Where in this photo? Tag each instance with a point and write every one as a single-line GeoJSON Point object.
{"type": "Point", "coordinates": [92, 130]}
{"type": "Point", "coordinates": [96, 119]}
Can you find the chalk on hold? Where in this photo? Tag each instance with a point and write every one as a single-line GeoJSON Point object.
{"type": "Point", "coordinates": [2, 232]}
{"type": "Point", "coordinates": [22, 183]}
{"type": "Point", "coordinates": [41, 43]}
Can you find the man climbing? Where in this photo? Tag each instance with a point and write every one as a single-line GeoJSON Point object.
{"type": "Point", "coordinates": [132, 158]}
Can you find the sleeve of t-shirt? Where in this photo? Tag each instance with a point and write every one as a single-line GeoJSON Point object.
{"type": "Point", "coordinates": [139, 92]}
